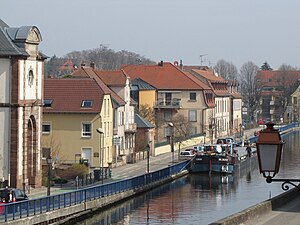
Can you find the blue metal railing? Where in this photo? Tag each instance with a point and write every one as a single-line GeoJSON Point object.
{"type": "Point", "coordinates": [17, 210]}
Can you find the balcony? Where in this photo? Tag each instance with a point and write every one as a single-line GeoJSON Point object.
{"type": "Point", "coordinates": [130, 128]}
{"type": "Point", "coordinates": [174, 103]}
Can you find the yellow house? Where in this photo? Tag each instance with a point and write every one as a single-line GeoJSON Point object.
{"type": "Point", "coordinates": [78, 121]}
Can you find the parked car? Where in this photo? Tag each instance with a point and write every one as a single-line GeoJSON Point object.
{"type": "Point", "coordinates": [188, 154]}
{"type": "Point", "coordinates": [16, 195]}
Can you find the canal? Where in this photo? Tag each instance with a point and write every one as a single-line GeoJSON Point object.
{"type": "Point", "coordinates": [201, 199]}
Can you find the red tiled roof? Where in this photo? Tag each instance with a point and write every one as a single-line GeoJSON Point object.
{"type": "Point", "coordinates": [67, 95]}
{"type": "Point", "coordinates": [112, 77]}
{"type": "Point", "coordinates": [210, 75]}
{"type": "Point", "coordinates": [166, 76]}
{"type": "Point", "coordinates": [86, 71]}
{"type": "Point", "coordinates": [273, 78]}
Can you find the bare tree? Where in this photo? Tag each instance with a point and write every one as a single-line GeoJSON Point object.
{"type": "Point", "coordinates": [147, 112]}
{"type": "Point", "coordinates": [226, 70]}
{"type": "Point", "coordinates": [249, 87]}
{"type": "Point", "coordinates": [181, 130]}
{"type": "Point", "coordinates": [286, 67]}
{"type": "Point", "coordinates": [211, 127]}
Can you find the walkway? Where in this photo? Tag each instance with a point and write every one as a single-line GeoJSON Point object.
{"type": "Point", "coordinates": [286, 214]}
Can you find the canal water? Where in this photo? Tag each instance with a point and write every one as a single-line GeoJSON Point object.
{"type": "Point", "coordinates": [201, 199]}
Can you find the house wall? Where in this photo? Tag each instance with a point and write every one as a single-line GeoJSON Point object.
{"type": "Point", "coordinates": [237, 114]}
{"type": "Point", "coordinates": [147, 97]}
{"type": "Point", "coordinates": [222, 115]}
{"type": "Point", "coordinates": [65, 139]}
{"type": "Point", "coordinates": [5, 72]}
{"type": "Point", "coordinates": [107, 126]}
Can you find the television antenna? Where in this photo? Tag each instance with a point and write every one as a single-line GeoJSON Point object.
{"type": "Point", "coordinates": [201, 59]}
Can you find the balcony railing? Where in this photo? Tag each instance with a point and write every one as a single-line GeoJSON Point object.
{"type": "Point", "coordinates": [172, 103]}
{"type": "Point", "coordinates": [130, 127]}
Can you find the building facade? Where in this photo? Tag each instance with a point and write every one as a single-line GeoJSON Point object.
{"type": "Point", "coordinates": [21, 94]}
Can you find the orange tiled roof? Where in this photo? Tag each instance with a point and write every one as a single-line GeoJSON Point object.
{"type": "Point", "coordinates": [112, 77]}
{"type": "Point", "coordinates": [86, 71]}
{"type": "Point", "coordinates": [166, 76]}
{"type": "Point", "coordinates": [210, 75]}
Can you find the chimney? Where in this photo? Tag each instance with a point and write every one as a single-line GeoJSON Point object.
{"type": "Point", "coordinates": [92, 64]}
{"type": "Point", "coordinates": [161, 63]}
{"type": "Point", "coordinates": [181, 65]}
{"type": "Point", "coordinates": [82, 64]}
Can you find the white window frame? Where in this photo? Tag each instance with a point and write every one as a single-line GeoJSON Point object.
{"type": "Point", "coordinates": [86, 134]}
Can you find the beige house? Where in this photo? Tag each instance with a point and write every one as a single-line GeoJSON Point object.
{"type": "Point", "coordinates": [295, 111]}
{"type": "Point", "coordinates": [177, 94]}
{"type": "Point", "coordinates": [219, 118]}
{"type": "Point", "coordinates": [78, 121]}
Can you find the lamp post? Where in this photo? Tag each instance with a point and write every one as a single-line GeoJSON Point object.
{"type": "Point", "coordinates": [148, 158]}
{"type": "Point", "coordinates": [171, 125]}
{"type": "Point", "coordinates": [100, 131]}
{"type": "Point", "coordinates": [49, 163]}
{"type": "Point", "coordinates": [269, 149]}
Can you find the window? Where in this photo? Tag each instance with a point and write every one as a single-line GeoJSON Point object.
{"type": "Point", "coordinates": [46, 153]}
{"type": "Point", "coordinates": [192, 96]}
{"type": "Point", "coordinates": [87, 104]}
{"type": "Point", "coordinates": [193, 130]}
{"type": "Point", "coordinates": [192, 115]}
{"type": "Point", "coordinates": [46, 128]}
{"type": "Point", "coordinates": [86, 129]}
{"type": "Point", "coordinates": [168, 115]}
{"type": "Point", "coordinates": [48, 102]}
{"type": "Point", "coordinates": [167, 131]}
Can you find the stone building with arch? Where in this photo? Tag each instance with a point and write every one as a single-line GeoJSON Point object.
{"type": "Point", "coordinates": [21, 94]}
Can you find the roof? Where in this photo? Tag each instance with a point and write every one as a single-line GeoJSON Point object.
{"type": "Point", "coordinates": [210, 75]}
{"type": "Point", "coordinates": [112, 77]}
{"type": "Point", "coordinates": [142, 122]}
{"type": "Point", "coordinates": [7, 47]}
{"type": "Point", "coordinates": [88, 72]}
{"type": "Point", "coordinates": [274, 78]}
{"type": "Point", "coordinates": [142, 85]}
{"type": "Point", "coordinates": [12, 39]}
{"type": "Point", "coordinates": [67, 95]}
{"type": "Point", "coordinates": [3, 24]}
{"type": "Point", "coordinates": [213, 81]}
{"type": "Point", "coordinates": [163, 76]}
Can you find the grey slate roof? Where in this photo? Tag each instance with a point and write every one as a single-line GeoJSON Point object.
{"type": "Point", "coordinates": [143, 85]}
{"type": "Point", "coordinates": [142, 122]}
{"type": "Point", "coordinates": [3, 24]}
{"type": "Point", "coordinates": [7, 47]}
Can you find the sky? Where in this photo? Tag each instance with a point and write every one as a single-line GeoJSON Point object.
{"type": "Point", "coordinates": [198, 32]}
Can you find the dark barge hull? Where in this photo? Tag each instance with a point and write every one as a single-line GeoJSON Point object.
{"type": "Point", "coordinates": [208, 164]}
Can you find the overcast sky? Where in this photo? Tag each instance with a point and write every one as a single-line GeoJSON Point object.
{"type": "Point", "coordinates": [169, 30]}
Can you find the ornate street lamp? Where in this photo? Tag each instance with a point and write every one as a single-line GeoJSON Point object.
{"type": "Point", "coordinates": [269, 149]}
{"type": "Point", "coordinates": [171, 125]}
{"type": "Point", "coordinates": [100, 132]}
{"type": "Point", "coordinates": [148, 158]}
{"type": "Point", "coordinates": [49, 163]}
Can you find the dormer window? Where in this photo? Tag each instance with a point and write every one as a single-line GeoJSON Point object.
{"type": "Point", "coordinates": [87, 104]}
{"type": "Point", "coordinates": [48, 103]}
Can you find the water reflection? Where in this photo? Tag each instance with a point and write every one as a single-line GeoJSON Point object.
{"type": "Point", "coordinates": [202, 199]}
